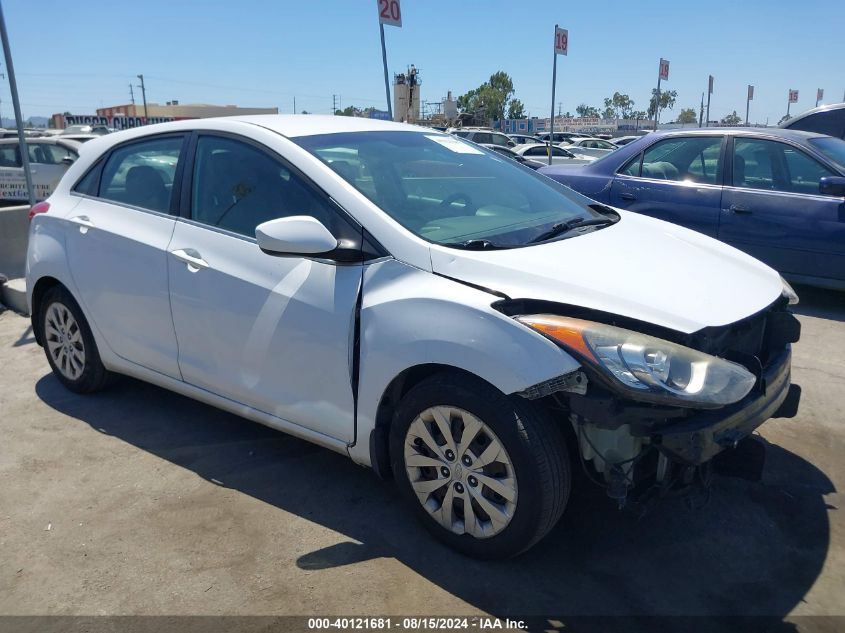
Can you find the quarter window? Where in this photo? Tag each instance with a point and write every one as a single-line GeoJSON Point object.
{"type": "Point", "coordinates": [237, 186]}
{"type": "Point", "coordinates": [141, 174]}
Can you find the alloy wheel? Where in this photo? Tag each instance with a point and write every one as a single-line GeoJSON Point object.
{"type": "Point", "coordinates": [64, 341]}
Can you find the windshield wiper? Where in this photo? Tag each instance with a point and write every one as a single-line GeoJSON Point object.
{"type": "Point", "coordinates": [564, 227]}
{"type": "Point", "coordinates": [476, 245]}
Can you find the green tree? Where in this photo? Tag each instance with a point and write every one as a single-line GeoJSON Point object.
{"type": "Point", "coordinates": [583, 110]}
{"type": "Point", "coordinates": [667, 100]}
{"type": "Point", "coordinates": [516, 109]}
{"type": "Point", "coordinates": [621, 106]}
{"type": "Point", "coordinates": [731, 119]}
{"type": "Point", "coordinates": [488, 101]}
{"type": "Point", "coordinates": [688, 115]}
{"type": "Point", "coordinates": [608, 113]}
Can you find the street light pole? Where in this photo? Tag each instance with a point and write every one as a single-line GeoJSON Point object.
{"type": "Point", "coordinates": [144, 95]}
{"type": "Point", "coordinates": [552, 119]}
{"type": "Point", "coordinates": [13, 87]}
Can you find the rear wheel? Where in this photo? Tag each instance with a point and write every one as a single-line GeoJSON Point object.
{"type": "Point", "coordinates": [69, 343]}
{"type": "Point", "coordinates": [486, 473]}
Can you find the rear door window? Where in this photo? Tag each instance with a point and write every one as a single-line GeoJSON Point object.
{"type": "Point", "coordinates": [691, 159]}
{"type": "Point", "coordinates": [9, 155]}
{"type": "Point", "coordinates": [141, 174]}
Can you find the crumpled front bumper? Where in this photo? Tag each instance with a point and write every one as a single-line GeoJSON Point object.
{"type": "Point", "coordinates": [699, 438]}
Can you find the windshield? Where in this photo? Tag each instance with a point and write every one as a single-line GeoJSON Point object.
{"type": "Point", "coordinates": [449, 191]}
{"type": "Point", "coordinates": [833, 148]}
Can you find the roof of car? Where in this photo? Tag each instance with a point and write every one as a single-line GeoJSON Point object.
{"type": "Point", "coordinates": [796, 135]}
{"type": "Point", "coordinates": [803, 115]}
{"type": "Point", "coordinates": [293, 125]}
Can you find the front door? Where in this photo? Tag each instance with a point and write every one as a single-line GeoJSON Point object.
{"type": "Point", "coordinates": [117, 251]}
{"type": "Point", "coordinates": [273, 333]}
{"type": "Point", "coordinates": [677, 179]}
{"type": "Point", "coordinates": [773, 210]}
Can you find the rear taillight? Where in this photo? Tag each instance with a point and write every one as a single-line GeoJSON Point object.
{"type": "Point", "coordinates": [41, 207]}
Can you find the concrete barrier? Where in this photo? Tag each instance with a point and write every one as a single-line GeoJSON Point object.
{"type": "Point", "coordinates": [14, 235]}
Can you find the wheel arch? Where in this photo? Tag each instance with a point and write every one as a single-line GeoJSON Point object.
{"type": "Point", "coordinates": [38, 291]}
{"type": "Point", "coordinates": [393, 394]}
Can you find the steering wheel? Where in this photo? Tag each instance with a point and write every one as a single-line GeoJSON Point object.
{"type": "Point", "coordinates": [454, 198]}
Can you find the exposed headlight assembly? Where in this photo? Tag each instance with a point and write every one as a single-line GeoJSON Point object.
{"type": "Point", "coordinates": [648, 368]}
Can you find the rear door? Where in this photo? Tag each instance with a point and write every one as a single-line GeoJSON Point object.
{"type": "Point", "coordinates": [116, 240]}
{"type": "Point", "coordinates": [677, 179]}
{"type": "Point", "coordinates": [772, 209]}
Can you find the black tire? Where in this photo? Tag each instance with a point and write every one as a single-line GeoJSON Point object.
{"type": "Point", "coordinates": [94, 375]}
{"type": "Point", "coordinates": [534, 444]}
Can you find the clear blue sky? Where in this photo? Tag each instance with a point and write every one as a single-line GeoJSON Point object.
{"type": "Point", "coordinates": [80, 55]}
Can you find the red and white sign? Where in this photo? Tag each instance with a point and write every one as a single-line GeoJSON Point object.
{"type": "Point", "coordinates": [389, 12]}
{"type": "Point", "coordinates": [819, 94]}
{"type": "Point", "coordinates": [793, 96]}
{"type": "Point", "coordinates": [561, 41]}
{"type": "Point", "coordinates": [751, 93]}
{"type": "Point", "coordinates": [664, 69]}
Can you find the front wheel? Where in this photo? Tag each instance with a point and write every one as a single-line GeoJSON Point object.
{"type": "Point", "coordinates": [486, 473]}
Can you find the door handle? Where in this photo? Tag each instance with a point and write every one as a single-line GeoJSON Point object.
{"type": "Point", "coordinates": [191, 257]}
{"type": "Point", "coordinates": [84, 223]}
{"type": "Point", "coordinates": [627, 196]}
{"type": "Point", "coordinates": [739, 209]}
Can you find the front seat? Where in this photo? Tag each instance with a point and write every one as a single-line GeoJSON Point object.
{"type": "Point", "coordinates": [145, 188]}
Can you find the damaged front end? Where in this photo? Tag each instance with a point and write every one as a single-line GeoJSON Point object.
{"type": "Point", "coordinates": [655, 404]}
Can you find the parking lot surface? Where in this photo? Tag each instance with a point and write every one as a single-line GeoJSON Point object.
{"type": "Point", "coordinates": [140, 501]}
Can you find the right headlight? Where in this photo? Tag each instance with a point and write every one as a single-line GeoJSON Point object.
{"type": "Point", "coordinates": [649, 368]}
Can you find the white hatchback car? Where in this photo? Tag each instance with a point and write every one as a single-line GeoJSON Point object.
{"type": "Point", "coordinates": [417, 302]}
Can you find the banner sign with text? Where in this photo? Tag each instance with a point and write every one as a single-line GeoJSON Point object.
{"type": "Point", "coordinates": [116, 122]}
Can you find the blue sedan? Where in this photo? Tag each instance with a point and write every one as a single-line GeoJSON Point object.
{"type": "Point", "coordinates": [776, 194]}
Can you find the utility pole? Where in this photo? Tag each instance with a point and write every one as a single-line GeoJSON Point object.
{"type": "Point", "coordinates": [294, 104]}
{"type": "Point", "coordinates": [132, 93]}
{"type": "Point", "coordinates": [334, 104]}
{"type": "Point", "coordinates": [144, 95]}
{"type": "Point", "coordinates": [13, 87]}
{"type": "Point", "coordinates": [558, 108]}
{"type": "Point", "coordinates": [701, 111]}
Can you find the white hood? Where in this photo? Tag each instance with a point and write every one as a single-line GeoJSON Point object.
{"type": "Point", "coordinates": [640, 268]}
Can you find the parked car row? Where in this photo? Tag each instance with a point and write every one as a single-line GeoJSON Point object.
{"type": "Point", "coordinates": [776, 194]}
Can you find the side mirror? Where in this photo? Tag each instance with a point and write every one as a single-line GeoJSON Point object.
{"type": "Point", "coordinates": [68, 160]}
{"type": "Point", "coordinates": [296, 235]}
{"type": "Point", "coordinates": [832, 186]}
{"type": "Point", "coordinates": [511, 144]}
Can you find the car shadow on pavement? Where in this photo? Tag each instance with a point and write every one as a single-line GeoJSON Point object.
{"type": "Point", "coordinates": [756, 548]}
{"type": "Point", "coordinates": [820, 303]}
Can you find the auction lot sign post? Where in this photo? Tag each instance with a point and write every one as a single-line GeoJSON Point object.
{"type": "Point", "coordinates": [561, 48]}
{"type": "Point", "coordinates": [748, 101]}
{"type": "Point", "coordinates": [389, 12]}
{"type": "Point", "coordinates": [793, 98]}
